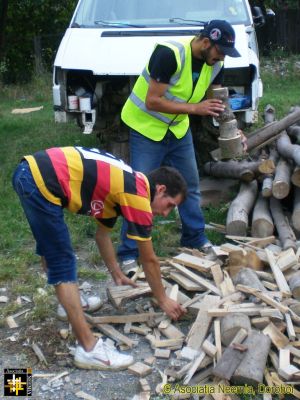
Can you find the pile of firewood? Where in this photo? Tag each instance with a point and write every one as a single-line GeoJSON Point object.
{"type": "Point", "coordinates": [243, 322]}
{"type": "Point", "coordinates": [269, 193]}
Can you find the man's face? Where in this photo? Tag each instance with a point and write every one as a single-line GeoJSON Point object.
{"type": "Point", "coordinates": [162, 203]}
{"type": "Point", "coordinates": [212, 54]}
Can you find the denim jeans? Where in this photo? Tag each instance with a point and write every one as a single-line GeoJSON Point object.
{"type": "Point", "coordinates": [146, 155]}
{"type": "Point", "coordinates": [46, 221]}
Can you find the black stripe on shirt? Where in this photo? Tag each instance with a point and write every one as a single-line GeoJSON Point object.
{"type": "Point", "coordinates": [129, 183]}
{"type": "Point", "coordinates": [89, 182]}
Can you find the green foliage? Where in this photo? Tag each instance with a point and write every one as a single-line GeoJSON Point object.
{"type": "Point", "coordinates": [27, 19]}
{"type": "Point", "coordinates": [282, 4]}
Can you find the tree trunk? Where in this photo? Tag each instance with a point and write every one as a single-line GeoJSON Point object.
{"type": "Point", "coordinates": [282, 180]}
{"type": "Point", "coordinates": [237, 216]}
{"type": "Point", "coordinates": [262, 223]}
{"type": "Point", "coordinates": [251, 369]}
{"type": "Point", "coordinates": [288, 150]}
{"type": "Point", "coordinates": [270, 131]}
{"type": "Point", "coordinates": [285, 232]}
{"type": "Point", "coordinates": [296, 209]}
{"type": "Point", "coordinates": [3, 18]}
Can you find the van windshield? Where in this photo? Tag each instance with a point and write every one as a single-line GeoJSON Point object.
{"type": "Point", "coordinates": [158, 13]}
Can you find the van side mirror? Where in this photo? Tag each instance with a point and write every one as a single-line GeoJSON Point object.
{"type": "Point", "coordinates": [258, 17]}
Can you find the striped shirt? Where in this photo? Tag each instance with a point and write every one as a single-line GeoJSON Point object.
{"type": "Point", "coordinates": [95, 183]}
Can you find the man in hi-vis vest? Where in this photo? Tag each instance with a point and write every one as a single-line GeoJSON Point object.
{"type": "Point", "coordinates": [170, 88]}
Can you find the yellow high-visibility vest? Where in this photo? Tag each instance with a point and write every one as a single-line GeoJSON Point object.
{"type": "Point", "coordinates": [153, 124]}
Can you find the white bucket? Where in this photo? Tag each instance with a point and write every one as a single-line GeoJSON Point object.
{"type": "Point", "coordinates": [73, 102]}
{"type": "Point", "coordinates": [85, 103]}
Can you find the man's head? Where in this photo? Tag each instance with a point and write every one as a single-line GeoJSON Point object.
{"type": "Point", "coordinates": [217, 41]}
{"type": "Point", "coordinates": [168, 190]}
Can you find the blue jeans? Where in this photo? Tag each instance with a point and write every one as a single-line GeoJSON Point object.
{"type": "Point", "coordinates": [46, 221]}
{"type": "Point", "coordinates": [146, 155]}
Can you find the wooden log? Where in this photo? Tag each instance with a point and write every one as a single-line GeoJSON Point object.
{"type": "Point", "coordinates": [294, 132]}
{"type": "Point", "coordinates": [294, 283]}
{"type": "Point", "coordinates": [267, 184]}
{"type": "Point", "coordinates": [270, 131]}
{"type": "Point", "coordinates": [237, 216]}
{"type": "Point", "coordinates": [296, 209]}
{"type": "Point", "coordinates": [285, 233]}
{"type": "Point", "coordinates": [269, 114]}
{"type": "Point", "coordinates": [231, 324]}
{"type": "Point", "coordinates": [251, 369]}
{"type": "Point", "coordinates": [295, 178]}
{"type": "Point", "coordinates": [262, 223]}
{"type": "Point", "coordinates": [222, 93]}
{"type": "Point", "coordinates": [200, 264]}
{"type": "Point", "coordinates": [248, 277]}
{"type": "Point", "coordinates": [282, 179]}
{"type": "Point", "coordinates": [288, 150]}
{"type": "Point", "coordinates": [232, 147]}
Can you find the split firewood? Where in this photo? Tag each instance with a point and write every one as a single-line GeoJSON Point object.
{"type": "Point", "coordinates": [118, 295]}
{"type": "Point", "coordinates": [282, 179]}
{"type": "Point", "coordinates": [237, 215]}
{"type": "Point", "coordinates": [262, 223]}
{"type": "Point", "coordinates": [285, 233]}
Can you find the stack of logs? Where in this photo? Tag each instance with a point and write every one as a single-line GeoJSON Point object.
{"type": "Point", "coordinates": [270, 182]}
{"type": "Point", "coordinates": [244, 322]}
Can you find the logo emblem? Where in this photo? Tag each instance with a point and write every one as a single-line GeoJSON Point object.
{"type": "Point", "coordinates": [17, 382]}
{"type": "Point", "coordinates": [215, 34]}
{"type": "Point", "coordinates": [97, 207]}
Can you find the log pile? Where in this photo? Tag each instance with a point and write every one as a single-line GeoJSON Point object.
{"type": "Point", "coordinates": [242, 329]}
{"type": "Point", "coordinates": [268, 200]}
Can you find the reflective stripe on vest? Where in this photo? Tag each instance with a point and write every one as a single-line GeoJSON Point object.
{"type": "Point", "coordinates": [154, 124]}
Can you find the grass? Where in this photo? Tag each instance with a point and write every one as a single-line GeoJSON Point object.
{"type": "Point", "coordinates": [25, 133]}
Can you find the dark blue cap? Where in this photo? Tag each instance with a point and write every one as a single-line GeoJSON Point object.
{"type": "Point", "coordinates": [220, 32]}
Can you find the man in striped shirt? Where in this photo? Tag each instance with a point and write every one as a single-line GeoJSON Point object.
{"type": "Point", "coordinates": [94, 183]}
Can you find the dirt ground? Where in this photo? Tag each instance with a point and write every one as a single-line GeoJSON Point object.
{"type": "Point", "coordinates": [16, 352]}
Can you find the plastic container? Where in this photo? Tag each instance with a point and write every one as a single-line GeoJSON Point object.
{"type": "Point", "coordinates": [239, 101]}
{"type": "Point", "coordinates": [85, 103]}
{"type": "Point", "coordinates": [73, 102]}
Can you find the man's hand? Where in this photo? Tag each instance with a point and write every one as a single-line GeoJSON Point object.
{"type": "Point", "coordinates": [123, 280]}
{"type": "Point", "coordinates": [212, 107]}
{"type": "Point", "coordinates": [172, 308]}
{"type": "Point", "coordinates": [244, 141]}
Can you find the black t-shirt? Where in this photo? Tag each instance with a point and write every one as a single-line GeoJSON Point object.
{"type": "Point", "coordinates": [162, 66]}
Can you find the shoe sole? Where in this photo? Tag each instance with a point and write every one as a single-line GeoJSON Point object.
{"type": "Point", "coordinates": [81, 365]}
{"type": "Point", "coordinates": [90, 310]}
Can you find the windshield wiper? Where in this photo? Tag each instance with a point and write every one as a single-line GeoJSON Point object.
{"type": "Point", "coordinates": [119, 24]}
{"type": "Point", "coordinates": [183, 21]}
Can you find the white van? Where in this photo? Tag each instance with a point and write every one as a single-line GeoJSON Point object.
{"type": "Point", "coordinates": [109, 42]}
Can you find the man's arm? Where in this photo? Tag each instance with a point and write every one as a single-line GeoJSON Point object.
{"type": "Point", "coordinates": [156, 101]}
{"type": "Point", "coordinates": [151, 268]}
{"type": "Point", "coordinates": [107, 252]}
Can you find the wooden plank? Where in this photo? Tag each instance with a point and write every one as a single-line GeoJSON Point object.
{"type": "Point", "coordinates": [264, 297]}
{"type": "Point", "coordinates": [251, 311]}
{"type": "Point", "coordinates": [197, 263]}
{"type": "Point", "coordinates": [162, 353]}
{"type": "Point", "coordinates": [217, 275]}
{"type": "Point", "coordinates": [194, 366]}
{"type": "Point", "coordinates": [118, 295]}
{"type": "Point", "coordinates": [279, 277]}
{"type": "Point", "coordinates": [185, 282]}
{"type": "Point", "coordinates": [123, 319]}
{"type": "Point", "coordinates": [116, 335]}
{"type": "Point", "coordinates": [200, 327]}
{"type": "Point", "coordinates": [171, 332]}
{"type": "Point", "coordinates": [286, 259]}
{"type": "Point", "coordinates": [290, 327]}
{"type": "Point", "coordinates": [140, 369]}
{"type": "Point", "coordinates": [171, 343]}
{"type": "Point", "coordinates": [195, 278]}
{"type": "Point", "coordinates": [277, 338]}
{"type": "Point", "coordinates": [217, 332]}
{"type": "Point", "coordinates": [209, 348]}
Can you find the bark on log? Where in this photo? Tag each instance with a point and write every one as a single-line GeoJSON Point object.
{"type": "Point", "coordinates": [251, 369]}
{"type": "Point", "coordinates": [296, 209]}
{"type": "Point", "coordinates": [282, 180]}
{"type": "Point", "coordinates": [295, 178]}
{"type": "Point", "coordinates": [270, 131]}
{"type": "Point", "coordinates": [247, 277]}
{"type": "Point", "coordinates": [262, 223]}
{"type": "Point", "coordinates": [223, 94]}
{"type": "Point", "coordinates": [242, 170]}
{"type": "Point", "coordinates": [294, 132]}
{"type": "Point", "coordinates": [237, 216]}
{"type": "Point", "coordinates": [285, 232]}
{"type": "Point", "coordinates": [288, 150]}
{"type": "Point", "coordinates": [267, 184]}
{"type": "Point", "coordinates": [294, 283]}
{"type": "Point", "coordinates": [231, 324]}
{"type": "Point", "coordinates": [231, 147]}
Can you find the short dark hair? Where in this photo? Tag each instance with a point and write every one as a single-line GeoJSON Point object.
{"type": "Point", "coordinates": [171, 178]}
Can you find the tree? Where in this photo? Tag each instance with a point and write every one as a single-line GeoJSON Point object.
{"type": "Point", "coordinates": [3, 17]}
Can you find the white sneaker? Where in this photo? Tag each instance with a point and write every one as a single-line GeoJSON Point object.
{"type": "Point", "coordinates": [102, 357]}
{"type": "Point", "coordinates": [129, 267]}
{"type": "Point", "coordinates": [89, 304]}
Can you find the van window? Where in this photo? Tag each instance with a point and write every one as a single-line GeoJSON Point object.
{"type": "Point", "coordinates": [114, 13]}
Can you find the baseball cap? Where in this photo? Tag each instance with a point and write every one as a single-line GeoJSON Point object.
{"type": "Point", "coordinates": [221, 33]}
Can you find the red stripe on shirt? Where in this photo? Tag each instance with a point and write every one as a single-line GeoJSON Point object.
{"type": "Point", "coordinates": [60, 166]}
{"type": "Point", "coordinates": [102, 189]}
{"type": "Point", "coordinates": [137, 216]}
{"type": "Point", "coordinates": [141, 186]}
